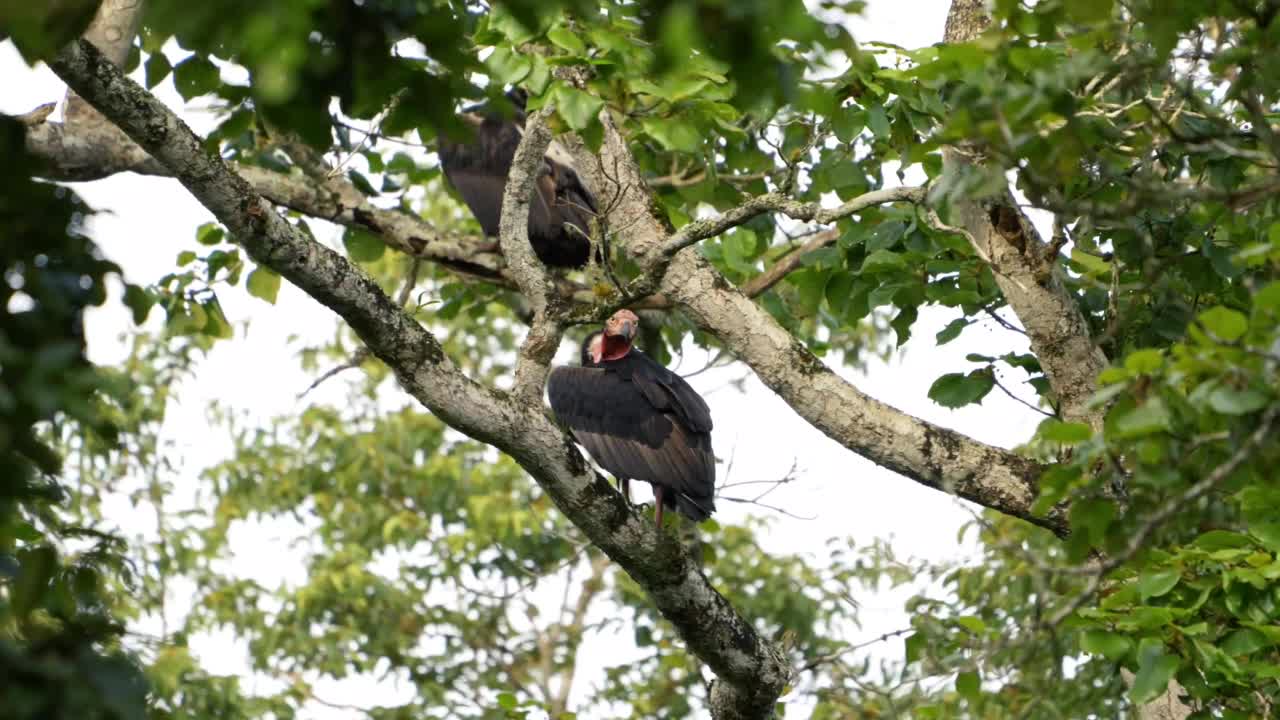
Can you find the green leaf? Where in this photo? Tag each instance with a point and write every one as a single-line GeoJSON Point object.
{"type": "Point", "coordinates": [41, 29]}
{"type": "Point", "coordinates": [539, 77]}
{"type": "Point", "coordinates": [1156, 583]}
{"type": "Point", "coordinates": [878, 121]}
{"type": "Point", "coordinates": [952, 330]}
{"type": "Point", "coordinates": [1089, 11]}
{"type": "Point", "coordinates": [1268, 298]}
{"type": "Point", "coordinates": [1268, 533]}
{"type": "Point", "coordinates": [139, 301]}
{"type": "Point", "coordinates": [362, 246]}
{"type": "Point", "coordinates": [1154, 672]}
{"type": "Point", "coordinates": [1146, 419]}
{"type": "Point", "coordinates": [1090, 264]}
{"type": "Point", "coordinates": [883, 260]}
{"type": "Point", "coordinates": [972, 623]}
{"type": "Point", "coordinates": [1222, 540]}
{"type": "Point", "coordinates": [1244, 642]}
{"type": "Point", "coordinates": [264, 283]}
{"type": "Point", "coordinates": [157, 69]}
{"type": "Point", "coordinates": [186, 257]}
{"type": "Point", "coordinates": [210, 233]}
{"type": "Point", "coordinates": [1055, 430]}
{"type": "Point", "coordinates": [564, 38]}
{"type": "Point", "coordinates": [969, 685]}
{"type": "Point", "coordinates": [1229, 401]}
{"type": "Point", "coordinates": [886, 235]}
{"type": "Point", "coordinates": [915, 644]}
{"type": "Point", "coordinates": [216, 323]}
{"type": "Point", "coordinates": [361, 182]}
{"type": "Point", "coordinates": [507, 66]}
{"type": "Point", "coordinates": [578, 108]}
{"type": "Point", "coordinates": [1225, 323]}
{"type": "Point", "coordinates": [37, 568]}
{"type": "Point", "coordinates": [1144, 362]}
{"type": "Point", "coordinates": [195, 76]}
{"type": "Point", "coordinates": [1092, 516]}
{"type": "Point", "coordinates": [507, 701]}
{"type": "Point", "coordinates": [673, 134]}
{"type": "Point", "coordinates": [955, 390]}
{"type": "Point", "coordinates": [1112, 646]}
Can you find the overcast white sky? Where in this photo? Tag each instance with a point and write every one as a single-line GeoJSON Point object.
{"type": "Point", "coordinates": [149, 220]}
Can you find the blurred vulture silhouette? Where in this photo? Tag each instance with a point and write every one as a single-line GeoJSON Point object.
{"type": "Point", "coordinates": [561, 206]}
{"type": "Point", "coordinates": [639, 420]}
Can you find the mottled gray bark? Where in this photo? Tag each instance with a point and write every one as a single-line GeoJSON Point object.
{"type": "Point", "coordinates": [751, 671]}
{"type": "Point", "coordinates": [531, 276]}
{"type": "Point", "coordinates": [1026, 269]}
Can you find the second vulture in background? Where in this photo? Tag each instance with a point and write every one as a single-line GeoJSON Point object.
{"type": "Point", "coordinates": [561, 207]}
{"type": "Point", "coordinates": [639, 420]}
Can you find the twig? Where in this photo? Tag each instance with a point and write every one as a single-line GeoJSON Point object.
{"type": "Point", "coordinates": [1015, 397]}
{"type": "Point", "coordinates": [699, 230]}
{"type": "Point", "coordinates": [375, 124]}
{"type": "Point", "coordinates": [1003, 322]}
{"type": "Point", "coordinates": [814, 663]}
{"type": "Point", "coordinates": [679, 180]}
{"type": "Point", "coordinates": [766, 506]}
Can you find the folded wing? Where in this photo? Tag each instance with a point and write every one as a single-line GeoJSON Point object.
{"type": "Point", "coordinates": [635, 428]}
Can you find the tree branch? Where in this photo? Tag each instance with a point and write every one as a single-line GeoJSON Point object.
{"type": "Point", "coordinates": [1026, 268]}
{"type": "Point", "coordinates": [751, 669]}
{"type": "Point", "coordinates": [531, 276]}
{"type": "Point", "coordinates": [699, 230]}
{"type": "Point", "coordinates": [761, 283]}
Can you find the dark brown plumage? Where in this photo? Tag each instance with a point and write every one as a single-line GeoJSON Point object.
{"type": "Point", "coordinates": [561, 207]}
{"type": "Point", "coordinates": [639, 420]}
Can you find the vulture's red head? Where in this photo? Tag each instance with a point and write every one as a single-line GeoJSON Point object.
{"type": "Point", "coordinates": [615, 342]}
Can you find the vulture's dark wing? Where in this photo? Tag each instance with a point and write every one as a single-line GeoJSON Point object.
{"type": "Point", "coordinates": [482, 192]}
{"type": "Point", "coordinates": [668, 391]}
{"type": "Point", "coordinates": [629, 436]}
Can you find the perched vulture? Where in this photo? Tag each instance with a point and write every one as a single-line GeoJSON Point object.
{"type": "Point", "coordinates": [639, 420]}
{"type": "Point", "coordinates": [561, 206]}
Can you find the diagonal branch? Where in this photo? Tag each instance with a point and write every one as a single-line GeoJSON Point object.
{"type": "Point", "coordinates": [788, 263]}
{"type": "Point", "coordinates": [752, 670]}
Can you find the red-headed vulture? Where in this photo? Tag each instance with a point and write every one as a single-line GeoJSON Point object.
{"type": "Point", "coordinates": [639, 420]}
{"type": "Point", "coordinates": [561, 206]}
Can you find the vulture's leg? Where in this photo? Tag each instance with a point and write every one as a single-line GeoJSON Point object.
{"type": "Point", "coordinates": [657, 510]}
{"type": "Point", "coordinates": [624, 486]}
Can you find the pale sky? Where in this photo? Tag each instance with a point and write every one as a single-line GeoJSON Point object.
{"type": "Point", "coordinates": [149, 220]}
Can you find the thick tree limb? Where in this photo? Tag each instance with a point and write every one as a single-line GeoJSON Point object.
{"type": "Point", "coordinates": [752, 672]}
{"type": "Point", "coordinates": [112, 31]}
{"type": "Point", "coordinates": [1025, 269]}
